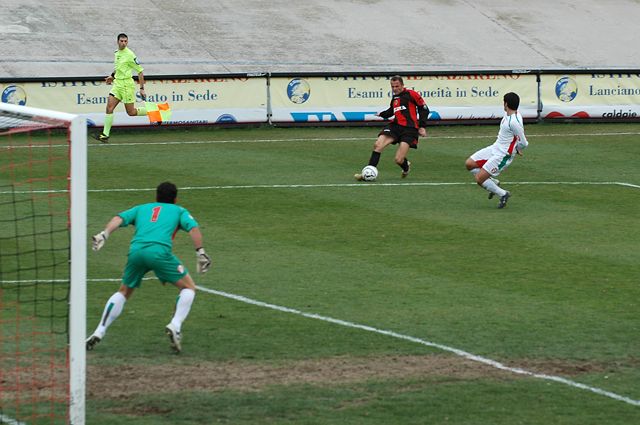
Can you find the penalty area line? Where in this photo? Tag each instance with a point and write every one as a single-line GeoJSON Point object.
{"type": "Point", "coordinates": [311, 139]}
{"type": "Point", "coordinates": [442, 347]}
{"type": "Point", "coordinates": [456, 351]}
{"type": "Point", "coordinates": [364, 185]}
{"type": "Point", "coordinates": [314, 186]}
{"type": "Point", "coordinates": [347, 139]}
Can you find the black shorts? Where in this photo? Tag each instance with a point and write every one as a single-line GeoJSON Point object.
{"type": "Point", "coordinates": [400, 133]}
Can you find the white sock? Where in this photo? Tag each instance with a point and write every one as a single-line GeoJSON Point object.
{"type": "Point", "coordinates": [112, 310]}
{"type": "Point", "coordinates": [183, 305]}
{"type": "Point", "coordinates": [490, 185]}
{"type": "Point", "coordinates": [474, 171]}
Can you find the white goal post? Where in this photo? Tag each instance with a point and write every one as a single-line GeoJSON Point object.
{"type": "Point", "coordinates": [17, 120]}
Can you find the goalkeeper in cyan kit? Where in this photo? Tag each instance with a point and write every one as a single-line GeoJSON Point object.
{"type": "Point", "coordinates": [156, 224]}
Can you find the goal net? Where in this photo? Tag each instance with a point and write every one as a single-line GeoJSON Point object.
{"type": "Point", "coordinates": [42, 266]}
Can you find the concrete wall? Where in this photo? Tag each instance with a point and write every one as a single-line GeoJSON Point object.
{"type": "Point", "coordinates": [77, 37]}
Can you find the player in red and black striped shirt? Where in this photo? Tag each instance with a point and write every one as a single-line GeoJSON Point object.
{"type": "Point", "coordinates": [410, 114]}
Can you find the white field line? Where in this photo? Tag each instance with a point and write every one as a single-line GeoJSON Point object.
{"type": "Point", "coordinates": [10, 421]}
{"type": "Point", "coordinates": [341, 139]}
{"type": "Point", "coordinates": [29, 281]}
{"type": "Point", "coordinates": [456, 351]}
{"type": "Point", "coordinates": [337, 185]}
{"type": "Point", "coordinates": [630, 185]}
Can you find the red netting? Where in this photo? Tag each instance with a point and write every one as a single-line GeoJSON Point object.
{"type": "Point", "coordinates": [34, 270]}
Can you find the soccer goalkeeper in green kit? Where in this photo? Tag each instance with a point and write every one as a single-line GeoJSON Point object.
{"type": "Point", "coordinates": [156, 224]}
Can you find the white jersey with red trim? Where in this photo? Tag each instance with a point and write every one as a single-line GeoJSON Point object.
{"type": "Point", "coordinates": [511, 135]}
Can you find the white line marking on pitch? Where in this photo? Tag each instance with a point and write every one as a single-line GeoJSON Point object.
{"type": "Point", "coordinates": [313, 186]}
{"type": "Point", "coordinates": [10, 421]}
{"type": "Point", "coordinates": [327, 139]}
{"type": "Point", "coordinates": [456, 351]}
{"type": "Point", "coordinates": [629, 185]}
{"type": "Point", "coordinates": [344, 139]}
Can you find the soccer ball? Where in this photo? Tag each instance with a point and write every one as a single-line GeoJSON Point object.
{"type": "Point", "coordinates": [369, 173]}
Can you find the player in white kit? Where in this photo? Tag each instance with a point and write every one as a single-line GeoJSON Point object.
{"type": "Point", "coordinates": [489, 162]}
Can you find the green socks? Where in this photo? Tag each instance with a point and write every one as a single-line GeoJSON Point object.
{"type": "Point", "coordinates": [108, 120]}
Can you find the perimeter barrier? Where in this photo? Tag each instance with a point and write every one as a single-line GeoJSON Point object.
{"type": "Point", "coordinates": [578, 95]}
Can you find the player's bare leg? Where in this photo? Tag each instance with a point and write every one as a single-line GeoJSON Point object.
{"type": "Point", "coordinates": [132, 111]}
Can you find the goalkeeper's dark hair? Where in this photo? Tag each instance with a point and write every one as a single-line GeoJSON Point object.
{"type": "Point", "coordinates": [397, 78]}
{"type": "Point", "coordinates": [512, 100]}
{"type": "Point", "coordinates": [122, 35]}
{"type": "Point", "coordinates": [167, 193]}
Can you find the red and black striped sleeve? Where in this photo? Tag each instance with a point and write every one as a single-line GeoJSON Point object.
{"type": "Point", "coordinates": [388, 113]}
{"type": "Point", "coordinates": [421, 107]}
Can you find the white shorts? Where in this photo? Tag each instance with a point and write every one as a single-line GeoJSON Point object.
{"type": "Point", "coordinates": [492, 160]}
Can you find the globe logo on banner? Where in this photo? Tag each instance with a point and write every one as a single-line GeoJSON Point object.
{"type": "Point", "coordinates": [566, 89]}
{"type": "Point", "coordinates": [14, 95]}
{"type": "Point", "coordinates": [298, 90]}
{"type": "Point", "coordinates": [226, 118]}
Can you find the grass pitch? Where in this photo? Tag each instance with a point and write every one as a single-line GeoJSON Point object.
{"type": "Point", "coordinates": [330, 301]}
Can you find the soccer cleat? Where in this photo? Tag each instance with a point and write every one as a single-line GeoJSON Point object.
{"type": "Point", "coordinates": [497, 182]}
{"type": "Point", "coordinates": [358, 177]}
{"type": "Point", "coordinates": [92, 341]}
{"type": "Point", "coordinates": [406, 173]}
{"type": "Point", "coordinates": [102, 138]}
{"type": "Point", "coordinates": [174, 338]}
{"type": "Point", "coordinates": [503, 200]}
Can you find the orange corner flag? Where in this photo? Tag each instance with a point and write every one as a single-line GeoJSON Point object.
{"type": "Point", "coordinates": [158, 112]}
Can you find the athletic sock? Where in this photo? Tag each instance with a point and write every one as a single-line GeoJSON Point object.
{"type": "Point", "coordinates": [112, 310]}
{"type": "Point", "coordinates": [183, 305]}
{"type": "Point", "coordinates": [375, 158]}
{"type": "Point", "coordinates": [108, 120]}
{"type": "Point", "coordinates": [492, 187]}
{"type": "Point", "coordinates": [474, 171]}
{"type": "Point", "coordinates": [141, 111]}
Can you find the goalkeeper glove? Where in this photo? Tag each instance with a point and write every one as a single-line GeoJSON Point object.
{"type": "Point", "coordinates": [99, 240]}
{"type": "Point", "coordinates": [204, 261]}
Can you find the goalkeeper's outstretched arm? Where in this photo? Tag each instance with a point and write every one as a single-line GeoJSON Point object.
{"type": "Point", "coordinates": [196, 237]}
{"type": "Point", "coordinates": [99, 239]}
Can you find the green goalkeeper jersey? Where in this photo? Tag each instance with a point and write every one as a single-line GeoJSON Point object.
{"type": "Point", "coordinates": [125, 63]}
{"type": "Point", "coordinates": [156, 223]}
